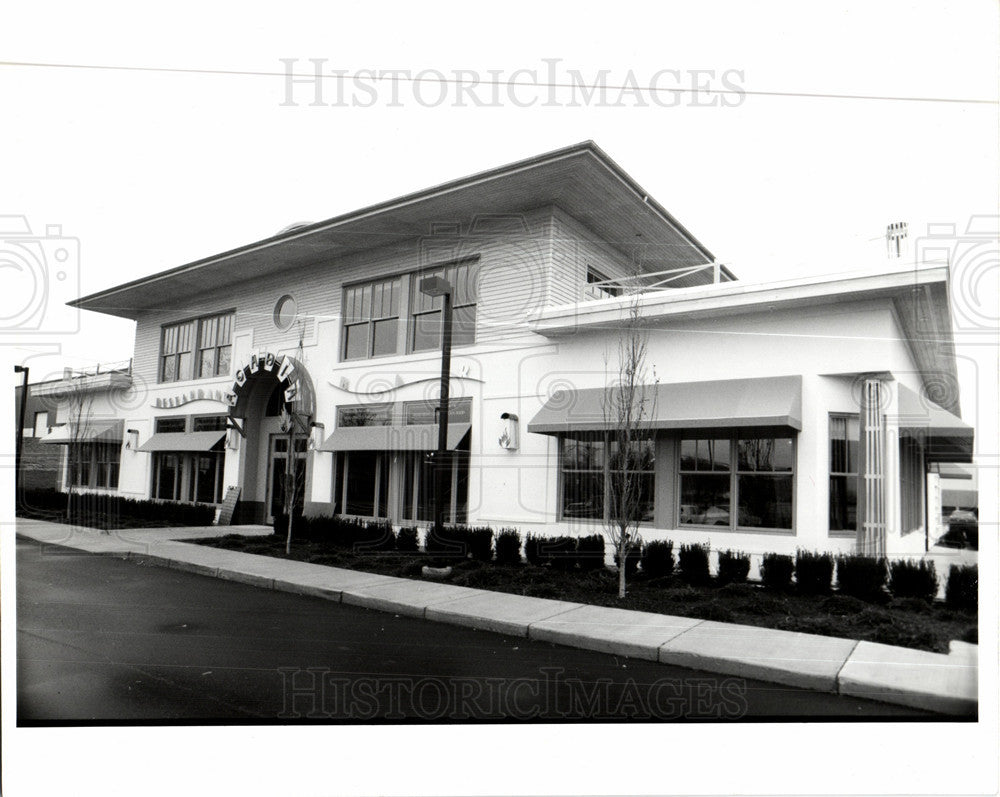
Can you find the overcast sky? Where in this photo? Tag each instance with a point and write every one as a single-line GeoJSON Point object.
{"type": "Point", "coordinates": [153, 169]}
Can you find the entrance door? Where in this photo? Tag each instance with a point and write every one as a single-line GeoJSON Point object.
{"type": "Point", "coordinates": [278, 468]}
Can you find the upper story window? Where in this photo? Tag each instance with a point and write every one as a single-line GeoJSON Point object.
{"type": "Point", "coordinates": [426, 311]}
{"type": "Point", "coordinates": [391, 316]}
{"type": "Point", "coordinates": [596, 290]}
{"type": "Point", "coordinates": [196, 349]}
{"type": "Point", "coordinates": [371, 319]}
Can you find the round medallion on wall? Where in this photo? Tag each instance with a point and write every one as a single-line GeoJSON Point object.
{"type": "Point", "coordinates": [285, 311]}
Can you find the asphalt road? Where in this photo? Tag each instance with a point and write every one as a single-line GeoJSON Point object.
{"type": "Point", "coordinates": [103, 640]}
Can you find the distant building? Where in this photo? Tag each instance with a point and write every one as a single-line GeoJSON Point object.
{"type": "Point", "coordinates": [788, 414]}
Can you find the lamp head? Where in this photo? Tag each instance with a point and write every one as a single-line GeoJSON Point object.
{"type": "Point", "coordinates": [435, 286]}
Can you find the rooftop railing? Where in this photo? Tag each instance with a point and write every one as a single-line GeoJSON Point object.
{"type": "Point", "coordinates": [651, 281]}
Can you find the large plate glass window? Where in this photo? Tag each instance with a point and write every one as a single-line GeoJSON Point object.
{"type": "Point", "coordinates": [738, 482]}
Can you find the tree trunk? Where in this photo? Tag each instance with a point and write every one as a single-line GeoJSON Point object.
{"type": "Point", "coordinates": [622, 559]}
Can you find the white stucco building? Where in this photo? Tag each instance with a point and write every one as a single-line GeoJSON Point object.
{"type": "Point", "coordinates": [805, 413]}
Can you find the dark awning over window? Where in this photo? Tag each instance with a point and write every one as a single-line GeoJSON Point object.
{"type": "Point", "coordinates": [418, 437]}
{"type": "Point", "coordinates": [183, 441]}
{"type": "Point", "coordinates": [89, 432]}
{"type": "Point", "coordinates": [946, 437]}
{"type": "Point", "coordinates": [769, 401]}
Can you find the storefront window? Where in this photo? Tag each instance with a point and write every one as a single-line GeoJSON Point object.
{"type": "Point", "coordinates": [599, 481]}
{"type": "Point", "coordinates": [844, 436]}
{"type": "Point", "coordinates": [740, 478]}
{"type": "Point", "coordinates": [94, 465]}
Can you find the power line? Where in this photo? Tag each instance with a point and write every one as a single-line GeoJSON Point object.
{"type": "Point", "coordinates": [394, 75]}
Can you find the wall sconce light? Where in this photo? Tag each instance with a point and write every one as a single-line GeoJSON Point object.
{"type": "Point", "coordinates": [133, 439]}
{"type": "Point", "coordinates": [509, 437]}
{"type": "Point", "coordinates": [233, 439]}
{"type": "Point", "coordinates": [315, 437]}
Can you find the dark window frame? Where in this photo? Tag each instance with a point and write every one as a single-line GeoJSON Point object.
{"type": "Point", "coordinates": [185, 338]}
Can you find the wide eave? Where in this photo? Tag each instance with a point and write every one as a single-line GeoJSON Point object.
{"type": "Point", "coordinates": [581, 180]}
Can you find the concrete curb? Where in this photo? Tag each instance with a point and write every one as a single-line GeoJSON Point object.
{"type": "Point", "coordinates": [946, 684]}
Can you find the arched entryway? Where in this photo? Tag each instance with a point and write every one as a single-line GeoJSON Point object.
{"type": "Point", "coordinates": [273, 406]}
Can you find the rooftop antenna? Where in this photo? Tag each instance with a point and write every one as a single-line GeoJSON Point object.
{"type": "Point", "coordinates": [895, 234]}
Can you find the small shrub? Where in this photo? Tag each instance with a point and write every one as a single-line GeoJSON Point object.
{"type": "Point", "coordinates": [861, 576]}
{"type": "Point", "coordinates": [478, 542]}
{"type": "Point", "coordinates": [590, 552]}
{"type": "Point", "coordinates": [508, 545]}
{"type": "Point", "coordinates": [562, 553]}
{"type": "Point", "coordinates": [733, 567]}
{"type": "Point", "coordinates": [909, 579]}
{"type": "Point", "coordinates": [692, 561]}
{"type": "Point", "coordinates": [962, 589]}
{"type": "Point", "coordinates": [557, 552]}
{"type": "Point", "coordinates": [776, 570]}
{"type": "Point", "coordinates": [813, 572]}
{"type": "Point", "coordinates": [658, 558]}
{"type": "Point", "coordinates": [533, 550]}
{"type": "Point", "coordinates": [407, 540]}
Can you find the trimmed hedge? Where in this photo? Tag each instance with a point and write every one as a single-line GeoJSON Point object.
{"type": "Point", "coordinates": [658, 558]}
{"type": "Point", "coordinates": [110, 511]}
{"type": "Point", "coordinates": [352, 533]}
{"type": "Point", "coordinates": [776, 570]}
{"type": "Point", "coordinates": [590, 552]}
{"type": "Point", "coordinates": [461, 542]}
{"type": "Point", "coordinates": [508, 547]}
{"type": "Point", "coordinates": [733, 567]}
{"type": "Point", "coordinates": [813, 572]}
{"type": "Point", "coordinates": [861, 576]}
{"type": "Point", "coordinates": [909, 579]}
{"type": "Point", "coordinates": [692, 561]}
{"type": "Point", "coordinates": [962, 589]}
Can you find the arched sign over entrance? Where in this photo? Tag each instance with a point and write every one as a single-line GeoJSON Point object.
{"type": "Point", "coordinates": [267, 368]}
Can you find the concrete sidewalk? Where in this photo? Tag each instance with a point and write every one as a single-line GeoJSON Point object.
{"type": "Point", "coordinates": [931, 681]}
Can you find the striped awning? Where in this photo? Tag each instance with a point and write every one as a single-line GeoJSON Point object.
{"type": "Point", "coordinates": [762, 402]}
{"type": "Point", "coordinates": [183, 441]}
{"type": "Point", "coordinates": [418, 437]}
{"type": "Point", "coordinates": [90, 432]}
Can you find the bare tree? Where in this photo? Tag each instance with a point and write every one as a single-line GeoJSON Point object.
{"type": "Point", "coordinates": [628, 407]}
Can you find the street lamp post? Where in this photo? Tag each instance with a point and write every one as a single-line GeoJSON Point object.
{"type": "Point", "coordinates": [439, 286]}
{"type": "Point", "coordinates": [19, 446]}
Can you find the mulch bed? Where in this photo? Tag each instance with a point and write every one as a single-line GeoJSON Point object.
{"type": "Point", "coordinates": [907, 622]}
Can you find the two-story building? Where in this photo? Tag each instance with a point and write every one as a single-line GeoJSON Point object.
{"type": "Point", "coordinates": [800, 413]}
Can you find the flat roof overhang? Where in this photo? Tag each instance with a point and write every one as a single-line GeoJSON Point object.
{"type": "Point", "coordinates": [919, 297]}
{"type": "Point", "coordinates": [581, 180]}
